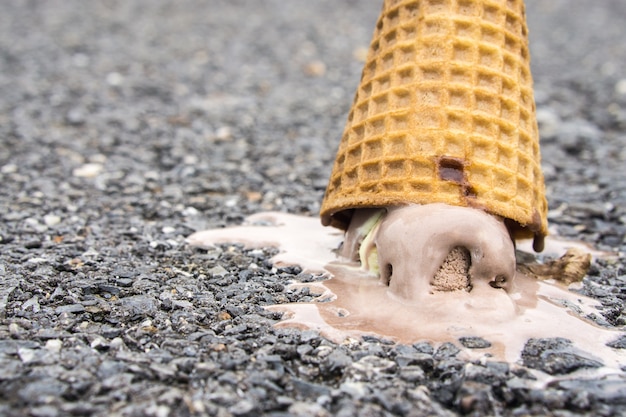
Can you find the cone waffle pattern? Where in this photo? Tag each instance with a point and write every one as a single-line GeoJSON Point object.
{"type": "Point", "coordinates": [444, 113]}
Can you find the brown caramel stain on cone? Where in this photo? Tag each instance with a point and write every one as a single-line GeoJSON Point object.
{"type": "Point", "coordinates": [444, 80]}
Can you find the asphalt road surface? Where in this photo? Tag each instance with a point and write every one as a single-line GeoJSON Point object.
{"type": "Point", "coordinates": [127, 125]}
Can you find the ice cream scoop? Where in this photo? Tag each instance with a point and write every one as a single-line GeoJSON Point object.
{"type": "Point", "coordinates": [444, 114]}
{"type": "Point", "coordinates": [420, 249]}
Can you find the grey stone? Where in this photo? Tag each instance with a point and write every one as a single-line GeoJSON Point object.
{"type": "Point", "coordinates": [42, 391]}
{"type": "Point", "coordinates": [308, 390]}
{"type": "Point", "coordinates": [619, 343]}
{"type": "Point", "coordinates": [474, 342]}
{"type": "Point", "coordinates": [337, 362]}
{"type": "Point", "coordinates": [71, 308]}
{"type": "Point", "coordinates": [555, 356]}
{"type": "Point", "coordinates": [445, 351]}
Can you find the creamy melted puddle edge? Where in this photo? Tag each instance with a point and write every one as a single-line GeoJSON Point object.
{"type": "Point", "coordinates": [353, 303]}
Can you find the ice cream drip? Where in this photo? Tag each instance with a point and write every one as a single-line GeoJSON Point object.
{"type": "Point", "coordinates": [354, 302]}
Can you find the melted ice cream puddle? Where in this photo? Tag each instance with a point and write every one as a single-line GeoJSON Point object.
{"type": "Point", "coordinates": [354, 303]}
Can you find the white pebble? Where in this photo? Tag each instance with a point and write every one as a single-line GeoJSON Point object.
{"type": "Point", "coordinates": [80, 60]}
{"type": "Point", "coordinates": [217, 271]}
{"type": "Point", "coordinates": [198, 407]}
{"type": "Point", "coordinates": [54, 345]}
{"type": "Point", "coordinates": [9, 169]}
{"type": "Point", "coordinates": [190, 211]}
{"type": "Point", "coordinates": [168, 229]}
{"type": "Point", "coordinates": [91, 253]}
{"type": "Point", "coordinates": [190, 159]}
{"type": "Point", "coordinates": [151, 175]}
{"type": "Point", "coordinates": [37, 260]}
{"type": "Point", "coordinates": [88, 170]}
{"type": "Point", "coordinates": [51, 220]}
{"type": "Point", "coordinates": [35, 225]}
{"type": "Point", "coordinates": [182, 304]}
{"type": "Point", "coordinates": [158, 410]}
{"type": "Point", "coordinates": [223, 133]}
{"type": "Point", "coordinates": [31, 302]}
{"type": "Point", "coordinates": [98, 158]}
{"type": "Point", "coordinates": [620, 87]}
{"type": "Point", "coordinates": [26, 355]}
{"type": "Point", "coordinates": [117, 343]}
{"type": "Point", "coordinates": [114, 79]}
{"type": "Point", "coordinates": [549, 122]}
{"type": "Point", "coordinates": [14, 329]}
{"type": "Point", "coordinates": [98, 342]}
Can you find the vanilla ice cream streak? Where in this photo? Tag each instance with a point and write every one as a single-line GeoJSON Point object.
{"type": "Point", "coordinates": [444, 113]}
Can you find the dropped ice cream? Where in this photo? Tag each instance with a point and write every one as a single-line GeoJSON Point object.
{"type": "Point", "coordinates": [354, 302]}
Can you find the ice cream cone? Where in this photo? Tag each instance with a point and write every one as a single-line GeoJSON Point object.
{"type": "Point", "coordinates": [444, 113]}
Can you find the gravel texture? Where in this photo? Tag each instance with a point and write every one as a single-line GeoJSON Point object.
{"type": "Point", "coordinates": [127, 125]}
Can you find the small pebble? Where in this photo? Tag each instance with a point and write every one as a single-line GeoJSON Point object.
{"type": "Point", "coordinates": [70, 308]}
{"type": "Point", "coordinates": [8, 169]}
{"type": "Point", "coordinates": [474, 342]}
{"type": "Point", "coordinates": [217, 270]}
{"type": "Point", "coordinates": [54, 345]}
{"type": "Point", "coordinates": [15, 329]}
{"type": "Point", "coordinates": [75, 117]}
{"type": "Point", "coordinates": [89, 170]}
{"type": "Point", "coordinates": [620, 87]}
{"type": "Point", "coordinates": [168, 230]}
{"type": "Point", "coordinates": [114, 79]}
{"type": "Point", "coordinates": [27, 355]}
{"type": "Point", "coordinates": [51, 220]}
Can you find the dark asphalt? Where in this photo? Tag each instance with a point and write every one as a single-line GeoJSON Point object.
{"type": "Point", "coordinates": [127, 125]}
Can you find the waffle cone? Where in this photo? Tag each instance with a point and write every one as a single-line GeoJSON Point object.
{"type": "Point", "coordinates": [444, 113]}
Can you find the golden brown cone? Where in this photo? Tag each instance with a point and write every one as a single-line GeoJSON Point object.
{"type": "Point", "coordinates": [444, 113]}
